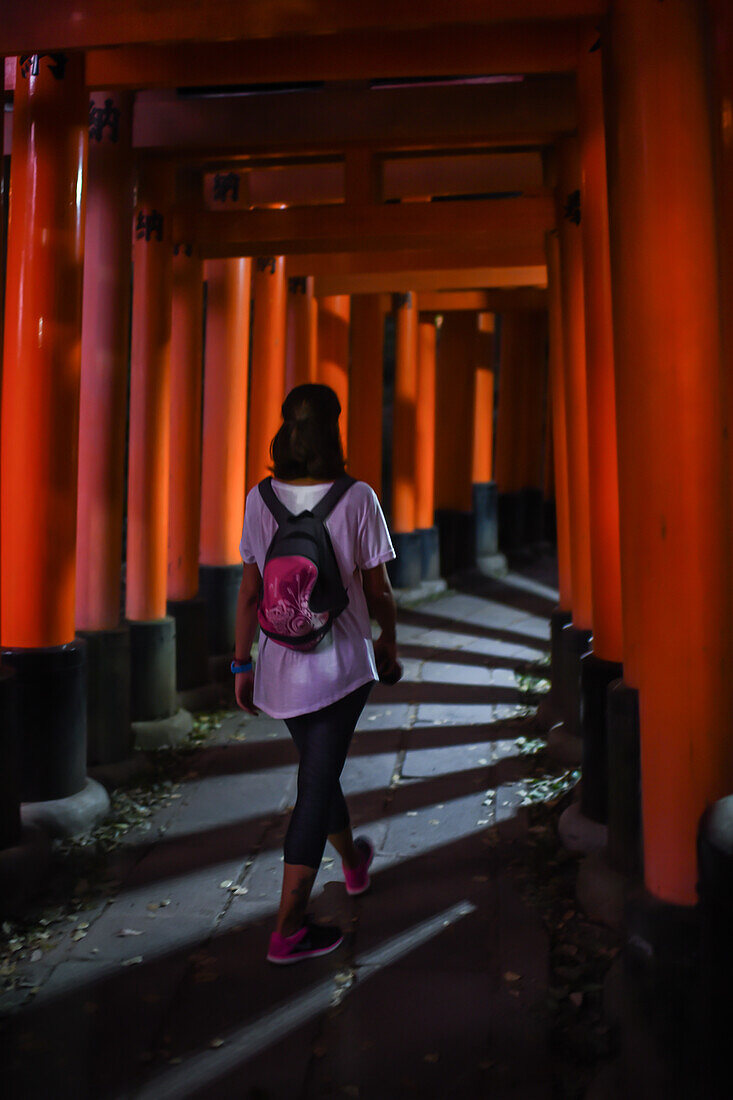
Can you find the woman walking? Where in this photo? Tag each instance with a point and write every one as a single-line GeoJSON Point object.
{"type": "Point", "coordinates": [316, 661]}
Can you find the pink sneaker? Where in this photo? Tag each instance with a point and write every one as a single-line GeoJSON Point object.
{"type": "Point", "coordinates": [308, 942]}
{"type": "Point", "coordinates": [357, 880]}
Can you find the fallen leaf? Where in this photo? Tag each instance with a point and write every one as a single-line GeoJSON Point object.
{"type": "Point", "coordinates": [78, 936]}
{"type": "Point", "coordinates": [216, 1043]}
{"type": "Point", "coordinates": [431, 1057]}
{"type": "Point", "coordinates": [434, 822]}
{"type": "Point", "coordinates": [226, 884]}
{"type": "Point", "coordinates": [133, 961]}
{"type": "Point", "coordinates": [510, 976]}
{"type": "Point", "coordinates": [36, 956]}
{"type": "Point", "coordinates": [412, 813]}
{"type": "Point", "coordinates": [576, 999]}
{"type": "Point", "coordinates": [129, 932]}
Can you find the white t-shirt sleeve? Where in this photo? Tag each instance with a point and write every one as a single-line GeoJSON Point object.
{"type": "Point", "coordinates": [247, 542]}
{"type": "Point", "coordinates": [373, 543]}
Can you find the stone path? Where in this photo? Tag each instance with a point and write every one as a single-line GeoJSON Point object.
{"type": "Point", "coordinates": [438, 991]}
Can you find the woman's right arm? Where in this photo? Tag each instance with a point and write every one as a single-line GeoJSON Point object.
{"type": "Point", "coordinates": [381, 604]}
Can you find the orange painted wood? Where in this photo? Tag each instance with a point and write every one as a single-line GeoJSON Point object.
{"type": "Point", "coordinates": [483, 402]}
{"type": "Point", "coordinates": [404, 417]}
{"type": "Point", "coordinates": [540, 47]}
{"type": "Point", "coordinates": [513, 222]}
{"type": "Point", "coordinates": [301, 355]}
{"type": "Point", "coordinates": [532, 402]}
{"type": "Point", "coordinates": [105, 344]}
{"type": "Point", "coordinates": [559, 422]}
{"type": "Point", "coordinates": [336, 118]}
{"type": "Point", "coordinates": [513, 352]}
{"type": "Point", "coordinates": [366, 390]}
{"type": "Point", "coordinates": [184, 507]}
{"type": "Point", "coordinates": [601, 389]}
{"type": "Point", "coordinates": [75, 24]}
{"type": "Point", "coordinates": [226, 377]}
{"type": "Point", "coordinates": [576, 398]}
{"type": "Point", "coordinates": [149, 445]}
{"type": "Point", "coordinates": [448, 262]}
{"type": "Point", "coordinates": [435, 281]}
{"type": "Point", "coordinates": [425, 425]}
{"type": "Point", "coordinates": [267, 390]}
{"type": "Point", "coordinates": [454, 411]}
{"type": "Point", "coordinates": [333, 352]}
{"type": "Point", "coordinates": [672, 478]}
{"type": "Point", "coordinates": [42, 356]}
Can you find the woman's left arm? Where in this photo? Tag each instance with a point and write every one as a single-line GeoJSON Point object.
{"type": "Point", "coordinates": [246, 625]}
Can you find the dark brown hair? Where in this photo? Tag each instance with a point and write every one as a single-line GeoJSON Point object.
{"type": "Point", "coordinates": [309, 444]}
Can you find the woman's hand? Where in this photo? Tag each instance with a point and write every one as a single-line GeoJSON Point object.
{"type": "Point", "coordinates": [244, 683]}
{"type": "Point", "coordinates": [385, 655]}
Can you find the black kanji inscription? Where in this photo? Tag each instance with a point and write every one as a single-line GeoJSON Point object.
{"type": "Point", "coordinates": [226, 184]}
{"type": "Point", "coordinates": [149, 224]}
{"type": "Point", "coordinates": [29, 63]}
{"type": "Point", "coordinates": [104, 118]}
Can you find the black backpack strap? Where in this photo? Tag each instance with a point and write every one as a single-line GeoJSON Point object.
{"type": "Point", "coordinates": [332, 497]}
{"type": "Point", "coordinates": [276, 507]}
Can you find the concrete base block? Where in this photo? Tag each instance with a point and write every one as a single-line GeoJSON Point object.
{"type": "Point", "coordinates": [23, 868]}
{"type": "Point", "coordinates": [74, 815]}
{"type": "Point", "coordinates": [595, 676]}
{"type": "Point", "coordinates": [601, 891]}
{"type": "Point", "coordinates": [574, 644]}
{"type": "Point", "coordinates": [109, 736]}
{"type": "Point", "coordinates": [212, 696]}
{"type": "Point", "coordinates": [429, 553]}
{"type": "Point", "coordinates": [406, 570]}
{"type": "Point", "coordinates": [163, 733]}
{"type": "Point", "coordinates": [406, 597]}
{"type": "Point", "coordinates": [559, 619]}
{"type": "Point", "coordinates": [566, 748]}
{"type": "Point", "coordinates": [578, 833]}
{"type": "Point", "coordinates": [122, 773]}
{"type": "Point", "coordinates": [495, 565]}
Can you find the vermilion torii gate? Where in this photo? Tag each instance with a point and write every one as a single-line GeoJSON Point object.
{"type": "Point", "coordinates": [494, 149]}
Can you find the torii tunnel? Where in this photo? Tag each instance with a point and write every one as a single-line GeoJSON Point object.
{"type": "Point", "coordinates": [522, 208]}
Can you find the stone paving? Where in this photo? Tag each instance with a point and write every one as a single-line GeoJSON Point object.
{"type": "Point", "coordinates": [438, 989]}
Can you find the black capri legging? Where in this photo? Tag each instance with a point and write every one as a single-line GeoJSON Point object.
{"type": "Point", "coordinates": [322, 738]}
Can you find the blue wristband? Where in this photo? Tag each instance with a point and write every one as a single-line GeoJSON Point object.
{"type": "Point", "coordinates": [246, 667]}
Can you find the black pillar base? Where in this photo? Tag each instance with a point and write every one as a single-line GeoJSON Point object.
{"type": "Point", "coordinates": [406, 570]}
{"type": "Point", "coordinates": [559, 619]}
{"type": "Point", "coordinates": [429, 553]}
{"type": "Point", "coordinates": [510, 513]}
{"type": "Point", "coordinates": [10, 828]}
{"type": "Point", "coordinates": [192, 658]}
{"type": "Point", "coordinates": [218, 588]}
{"type": "Point", "coordinates": [52, 718]}
{"type": "Point", "coordinates": [109, 733]}
{"type": "Point", "coordinates": [624, 779]}
{"type": "Point", "coordinates": [152, 670]}
{"type": "Point", "coordinates": [456, 532]}
{"type": "Point", "coordinates": [574, 644]}
{"type": "Point", "coordinates": [715, 888]}
{"type": "Point", "coordinates": [485, 519]}
{"type": "Point", "coordinates": [595, 676]}
{"type": "Point", "coordinates": [533, 517]}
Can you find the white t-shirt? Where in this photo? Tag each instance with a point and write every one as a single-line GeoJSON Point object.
{"type": "Point", "coordinates": [288, 682]}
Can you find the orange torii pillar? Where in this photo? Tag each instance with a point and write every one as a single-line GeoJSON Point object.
{"type": "Point", "coordinates": [519, 431]}
{"type": "Point", "coordinates": [406, 571]}
{"type": "Point", "coordinates": [563, 614]}
{"type": "Point", "coordinates": [154, 704]}
{"type": "Point", "coordinates": [105, 346]}
{"type": "Point", "coordinates": [602, 666]}
{"type": "Point", "coordinates": [301, 354]}
{"type": "Point", "coordinates": [576, 635]}
{"type": "Point", "coordinates": [333, 352]}
{"type": "Point", "coordinates": [675, 553]}
{"type": "Point", "coordinates": [267, 391]}
{"type": "Point", "coordinates": [366, 390]}
{"type": "Point", "coordinates": [425, 450]}
{"type": "Point", "coordinates": [454, 441]}
{"type": "Point", "coordinates": [39, 441]}
{"type": "Point", "coordinates": [184, 602]}
{"type": "Point", "coordinates": [225, 445]}
{"type": "Point", "coordinates": [484, 486]}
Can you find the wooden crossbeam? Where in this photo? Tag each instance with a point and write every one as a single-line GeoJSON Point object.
{"type": "Point", "coordinates": [78, 24]}
{"type": "Point", "coordinates": [507, 223]}
{"type": "Point", "coordinates": [533, 111]}
{"type": "Point", "coordinates": [491, 301]}
{"type": "Point", "coordinates": [413, 261]}
{"type": "Point", "coordinates": [476, 278]}
{"type": "Point", "coordinates": [541, 47]}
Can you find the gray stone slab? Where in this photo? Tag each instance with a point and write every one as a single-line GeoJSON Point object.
{"type": "Point", "coordinates": [442, 672]}
{"type": "Point", "coordinates": [464, 714]}
{"type": "Point", "coordinates": [384, 715]}
{"type": "Point", "coordinates": [420, 763]}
